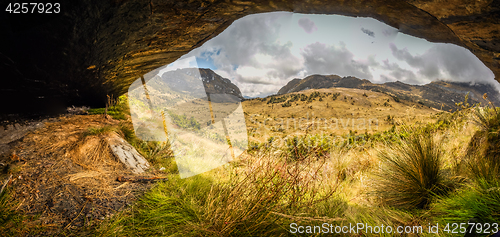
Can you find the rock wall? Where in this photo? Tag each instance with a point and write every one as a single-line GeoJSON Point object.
{"type": "Point", "coordinates": [99, 47]}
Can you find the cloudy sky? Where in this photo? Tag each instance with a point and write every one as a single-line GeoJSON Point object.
{"type": "Point", "coordinates": [260, 53]}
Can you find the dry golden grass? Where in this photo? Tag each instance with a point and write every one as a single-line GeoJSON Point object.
{"type": "Point", "coordinates": [353, 110]}
{"type": "Point", "coordinates": [69, 174]}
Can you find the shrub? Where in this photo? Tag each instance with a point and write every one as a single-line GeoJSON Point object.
{"type": "Point", "coordinates": [412, 172]}
{"type": "Point", "coordinates": [287, 104]}
{"type": "Point", "coordinates": [395, 98]}
{"type": "Point", "coordinates": [334, 96]}
{"type": "Point", "coordinates": [301, 147]}
{"type": "Point", "coordinates": [294, 98]}
{"type": "Point", "coordinates": [274, 99]}
{"type": "Point", "coordinates": [303, 97]}
{"type": "Point", "coordinates": [183, 121]}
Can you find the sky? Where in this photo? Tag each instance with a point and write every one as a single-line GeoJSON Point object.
{"type": "Point", "coordinates": [260, 53]}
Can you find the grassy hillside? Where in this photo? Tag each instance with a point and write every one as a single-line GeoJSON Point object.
{"type": "Point", "coordinates": [437, 94]}
{"type": "Point", "coordinates": [335, 111]}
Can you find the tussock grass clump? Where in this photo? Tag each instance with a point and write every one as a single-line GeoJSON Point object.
{"type": "Point", "coordinates": [412, 173]}
{"type": "Point", "coordinates": [483, 152]}
{"type": "Point", "coordinates": [159, 154]}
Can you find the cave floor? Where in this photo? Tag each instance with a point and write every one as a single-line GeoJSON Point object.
{"type": "Point", "coordinates": [63, 179]}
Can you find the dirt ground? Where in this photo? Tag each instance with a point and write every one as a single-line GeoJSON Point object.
{"type": "Point", "coordinates": [65, 177]}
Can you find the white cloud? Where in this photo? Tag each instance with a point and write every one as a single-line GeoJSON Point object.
{"type": "Point", "coordinates": [447, 62]}
{"type": "Point", "coordinates": [330, 59]}
{"type": "Point", "coordinates": [261, 53]}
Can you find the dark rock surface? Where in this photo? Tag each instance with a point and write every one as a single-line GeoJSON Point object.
{"type": "Point", "coordinates": [94, 48]}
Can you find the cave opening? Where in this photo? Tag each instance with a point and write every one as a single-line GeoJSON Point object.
{"type": "Point", "coordinates": [97, 48]}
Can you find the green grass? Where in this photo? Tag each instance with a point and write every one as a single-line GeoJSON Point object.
{"type": "Point", "coordinates": [259, 203]}
{"type": "Point", "coordinates": [167, 209]}
{"type": "Point", "coordinates": [8, 217]}
{"type": "Point", "coordinates": [95, 131]}
{"type": "Point", "coordinates": [117, 111]}
{"type": "Point", "coordinates": [483, 152]}
{"type": "Point", "coordinates": [480, 200]}
{"type": "Point", "coordinates": [12, 221]}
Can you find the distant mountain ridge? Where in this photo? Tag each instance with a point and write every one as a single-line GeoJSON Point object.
{"type": "Point", "coordinates": [185, 79]}
{"type": "Point", "coordinates": [437, 94]}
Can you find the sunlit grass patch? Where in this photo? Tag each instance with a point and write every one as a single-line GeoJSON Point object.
{"type": "Point", "coordinates": [95, 131]}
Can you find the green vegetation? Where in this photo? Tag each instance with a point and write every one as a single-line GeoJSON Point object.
{"type": "Point", "coordinates": [95, 131]}
{"type": "Point", "coordinates": [421, 174]}
{"type": "Point", "coordinates": [184, 122]}
{"type": "Point", "coordinates": [294, 97]}
{"type": "Point", "coordinates": [275, 100]}
{"type": "Point", "coordinates": [286, 104]}
{"type": "Point", "coordinates": [258, 203]}
{"type": "Point", "coordinates": [479, 200]}
{"type": "Point", "coordinates": [335, 96]}
{"type": "Point", "coordinates": [303, 97]}
{"type": "Point", "coordinates": [395, 98]}
{"type": "Point", "coordinates": [483, 152]}
{"type": "Point", "coordinates": [157, 153]}
{"type": "Point", "coordinates": [115, 108]}
{"type": "Point", "coordinates": [412, 172]}
{"type": "Point", "coordinates": [11, 221]}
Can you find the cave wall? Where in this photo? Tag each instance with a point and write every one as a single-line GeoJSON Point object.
{"type": "Point", "coordinates": [97, 48]}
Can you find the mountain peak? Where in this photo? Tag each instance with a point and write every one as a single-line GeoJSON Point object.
{"type": "Point", "coordinates": [213, 83]}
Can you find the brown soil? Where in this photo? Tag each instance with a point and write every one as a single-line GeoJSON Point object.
{"type": "Point", "coordinates": [67, 178]}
